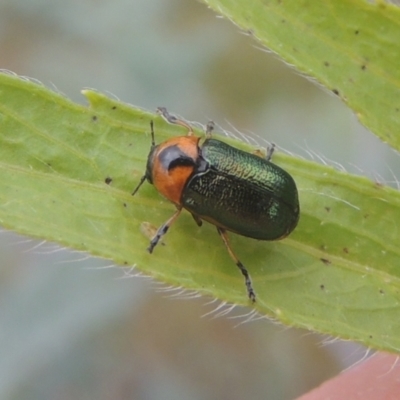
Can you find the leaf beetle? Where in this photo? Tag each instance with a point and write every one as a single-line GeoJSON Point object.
{"type": "Point", "coordinates": [234, 190]}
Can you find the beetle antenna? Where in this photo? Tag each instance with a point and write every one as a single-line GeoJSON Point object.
{"type": "Point", "coordinates": [173, 120]}
{"type": "Point", "coordinates": [142, 179]}
{"type": "Point", "coordinates": [153, 143]}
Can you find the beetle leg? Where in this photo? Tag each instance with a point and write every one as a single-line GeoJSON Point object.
{"type": "Point", "coordinates": [149, 230]}
{"type": "Point", "coordinates": [270, 151]}
{"type": "Point", "coordinates": [173, 120]}
{"type": "Point", "coordinates": [162, 230]}
{"type": "Point", "coordinates": [198, 221]}
{"type": "Point", "coordinates": [209, 128]}
{"type": "Point", "coordinates": [243, 270]}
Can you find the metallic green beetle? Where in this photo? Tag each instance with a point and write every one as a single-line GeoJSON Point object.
{"type": "Point", "coordinates": [234, 190]}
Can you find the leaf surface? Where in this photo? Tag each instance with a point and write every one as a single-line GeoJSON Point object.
{"type": "Point", "coordinates": [67, 176]}
{"type": "Point", "coordinates": [350, 46]}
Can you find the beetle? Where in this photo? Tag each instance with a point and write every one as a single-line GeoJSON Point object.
{"type": "Point", "coordinates": [232, 189]}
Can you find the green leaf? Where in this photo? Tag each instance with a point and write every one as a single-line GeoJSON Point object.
{"type": "Point", "coordinates": [350, 46]}
{"type": "Point", "coordinates": [338, 272]}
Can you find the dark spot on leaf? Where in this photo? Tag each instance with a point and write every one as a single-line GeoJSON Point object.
{"type": "Point", "coordinates": [370, 336]}
{"type": "Point", "coordinates": [328, 209]}
{"type": "Point", "coordinates": [326, 261]}
{"type": "Point", "coordinates": [357, 32]}
{"type": "Point", "coordinates": [283, 21]}
{"type": "Point", "coordinates": [125, 262]}
{"type": "Point", "coordinates": [326, 64]}
{"type": "Point", "coordinates": [335, 91]}
{"type": "Point", "coordinates": [94, 118]}
{"type": "Point", "coordinates": [366, 216]}
{"type": "Point", "coordinates": [363, 67]}
{"type": "Point", "coordinates": [113, 107]}
{"type": "Point", "coordinates": [346, 250]}
{"type": "Point", "coordinates": [381, 291]}
{"type": "Point", "coordinates": [322, 286]}
{"type": "Point", "coordinates": [108, 180]}
{"type": "Point", "coordinates": [124, 204]}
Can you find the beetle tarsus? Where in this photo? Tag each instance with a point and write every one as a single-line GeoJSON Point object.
{"type": "Point", "coordinates": [173, 120]}
{"type": "Point", "coordinates": [243, 270]}
{"type": "Point", "coordinates": [270, 151]}
{"type": "Point", "coordinates": [154, 241]}
{"type": "Point", "coordinates": [160, 233]}
{"type": "Point", "coordinates": [249, 286]}
{"type": "Point", "coordinates": [162, 230]}
{"type": "Point", "coordinates": [209, 128]}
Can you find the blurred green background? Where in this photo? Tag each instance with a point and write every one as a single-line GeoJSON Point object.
{"type": "Point", "coordinates": [74, 327]}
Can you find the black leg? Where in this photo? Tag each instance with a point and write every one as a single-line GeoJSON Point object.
{"type": "Point", "coordinates": [198, 221]}
{"type": "Point", "coordinates": [243, 270]}
{"type": "Point", "coordinates": [162, 230]}
{"type": "Point", "coordinates": [270, 151]}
